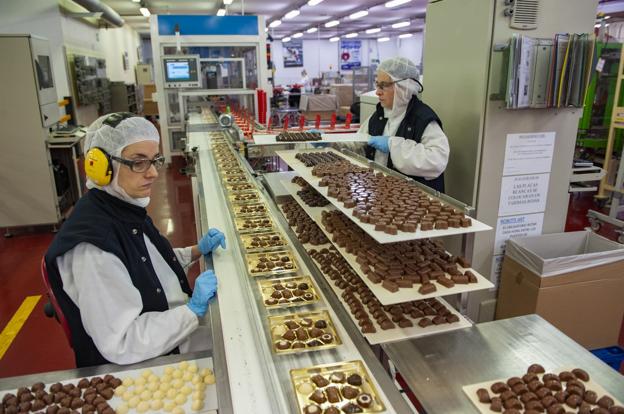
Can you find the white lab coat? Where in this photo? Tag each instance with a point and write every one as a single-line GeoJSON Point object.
{"type": "Point", "coordinates": [427, 159]}
{"type": "Point", "coordinates": [110, 306]}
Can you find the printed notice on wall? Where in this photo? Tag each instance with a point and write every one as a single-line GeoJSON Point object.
{"type": "Point", "coordinates": [495, 271]}
{"type": "Point", "coordinates": [529, 153]}
{"type": "Point", "coordinates": [516, 226]}
{"type": "Point", "coordinates": [523, 194]}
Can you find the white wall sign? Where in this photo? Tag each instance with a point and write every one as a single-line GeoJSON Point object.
{"type": "Point", "coordinates": [523, 194]}
{"type": "Point", "coordinates": [516, 226]}
{"type": "Point", "coordinates": [529, 153]}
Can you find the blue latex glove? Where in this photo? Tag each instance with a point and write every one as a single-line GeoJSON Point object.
{"type": "Point", "coordinates": [380, 143]}
{"type": "Point", "coordinates": [211, 240]}
{"type": "Point", "coordinates": [205, 288]}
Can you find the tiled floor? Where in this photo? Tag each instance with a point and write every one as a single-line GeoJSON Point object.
{"type": "Point", "coordinates": [40, 345]}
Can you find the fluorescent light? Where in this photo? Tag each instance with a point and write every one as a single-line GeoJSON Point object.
{"type": "Point", "coordinates": [332, 23]}
{"type": "Point", "coordinates": [383, 39]}
{"type": "Point", "coordinates": [375, 30]}
{"type": "Point", "coordinates": [314, 2]}
{"type": "Point", "coordinates": [405, 35]}
{"type": "Point", "coordinates": [286, 39]}
{"type": "Point", "coordinates": [221, 12]}
{"type": "Point", "coordinates": [291, 14]}
{"type": "Point", "coordinates": [350, 35]}
{"type": "Point", "coordinates": [394, 3]}
{"type": "Point", "coordinates": [227, 2]}
{"type": "Point", "coordinates": [145, 11]}
{"type": "Point", "coordinates": [400, 24]}
{"type": "Point", "coordinates": [297, 35]}
{"type": "Point", "coordinates": [597, 26]}
{"type": "Point", "coordinates": [607, 17]}
{"type": "Point", "coordinates": [359, 14]}
{"type": "Point", "coordinates": [136, 1]}
{"type": "Point", "coordinates": [334, 39]}
{"type": "Point", "coordinates": [311, 30]}
{"type": "Point", "coordinates": [275, 23]}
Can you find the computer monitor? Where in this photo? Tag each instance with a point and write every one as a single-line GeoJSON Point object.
{"type": "Point", "coordinates": [181, 71]}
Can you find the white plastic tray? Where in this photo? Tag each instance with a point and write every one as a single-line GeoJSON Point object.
{"type": "Point", "coordinates": [269, 139]}
{"type": "Point", "coordinates": [385, 296]}
{"type": "Point", "coordinates": [471, 391]}
{"type": "Point", "coordinates": [210, 396]}
{"type": "Point", "coordinates": [289, 157]}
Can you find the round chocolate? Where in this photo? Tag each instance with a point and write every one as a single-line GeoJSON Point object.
{"type": "Point", "coordinates": [83, 383]}
{"type": "Point", "coordinates": [349, 392]}
{"type": "Point", "coordinates": [354, 379]}
{"type": "Point", "coordinates": [364, 400]}
{"type": "Point", "coordinates": [536, 369]}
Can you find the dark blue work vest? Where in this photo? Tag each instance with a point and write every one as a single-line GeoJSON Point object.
{"type": "Point", "coordinates": [116, 227]}
{"type": "Point", "coordinates": [417, 117]}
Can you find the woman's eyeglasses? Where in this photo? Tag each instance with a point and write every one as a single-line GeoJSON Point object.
{"type": "Point", "coordinates": [141, 165]}
{"type": "Point", "coordinates": [384, 86]}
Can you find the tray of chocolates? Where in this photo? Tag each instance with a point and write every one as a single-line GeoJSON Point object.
{"type": "Point", "coordinates": [302, 332]}
{"type": "Point", "coordinates": [226, 172]}
{"type": "Point", "coordinates": [271, 263]}
{"type": "Point", "coordinates": [559, 391]}
{"type": "Point", "coordinates": [235, 179]}
{"type": "Point", "coordinates": [336, 388]}
{"type": "Point", "coordinates": [249, 210]}
{"type": "Point", "coordinates": [240, 188]}
{"type": "Point", "coordinates": [254, 224]}
{"type": "Point", "coordinates": [251, 197]}
{"type": "Point", "coordinates": [262, 242]}
{"type": "Point", "coordinates": [298, 136]}
{"type": "Point", "coordinates": [306, 229]}
{"type": "Point", "coordinates": [287, 292]}
{"type": "Point", "coordinates": [378, 323]}
{"type": "Point", "coordinates": [388, 208]}
{"type": "Point", "coordinates": [397, 272]}
{"type": "Point", "coordinates": [188, 386]}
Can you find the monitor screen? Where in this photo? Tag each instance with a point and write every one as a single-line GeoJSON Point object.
{"type": "Point", "coordinates": [178, 70]}
{"type": "Point", "coordinates": [181, 70]}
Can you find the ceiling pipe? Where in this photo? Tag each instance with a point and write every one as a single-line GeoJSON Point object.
{"type": "Point", "coordinates": [108, 14]}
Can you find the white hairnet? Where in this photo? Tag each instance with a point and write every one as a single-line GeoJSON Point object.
{"type": "Point", "coordinates": [113, 140]}
{"type": "Point", "coordinates": [403, 69]}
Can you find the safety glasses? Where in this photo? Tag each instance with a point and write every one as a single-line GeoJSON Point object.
{"type": "Point", "coordinates": [143, 164]}
{"type": "Point", "coordinates": [384, 86]}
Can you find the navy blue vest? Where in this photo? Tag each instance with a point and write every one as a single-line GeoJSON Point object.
{"type": "Point", "coordinates": [417, 117]}
{"type": "Point", "coordinates": [116, 227]}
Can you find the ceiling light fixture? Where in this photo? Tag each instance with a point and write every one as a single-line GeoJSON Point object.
{"type": "Point", "coordinates": [351, 35]}
{"type": "Point", "coordinates": [275, 23]}
{"type": "Point", "coordinates": [383, 39]}
{"type": "Point", "coordinates": [145, 11]}
{"type": "Point", "coordinates": [334, 39]}
{"type": "Point", "coordinates": [292, 14]}
{"type": "Point", "coordinates": [311, 30]}
{"type": "Point", "coordinates": [286, 39]}
{"type": "Point", "coordinates": [297, 35]}
{"type": "Point", "coordinates": [136, 1]}
{"type": "Point", "coordinates": [332, 23]}
{"type": "Point", "coordinates": [607, 17]}
{"type": "Point", "coordinates": [375, 30]}
{"type": "Point", "coordinates": [394, 3]}
{"type": "Point", "coordinates": [227, 2]}
{"type": "Point", "coordinates": [359, 14]}
{"type": "Point", "coordinates": [314, 2]}
{"type": "Point", "coordinates": [221, 12]}
{"type": "Point", "coordinates": [400, 24]}
{"type": "Point", "coordinates": [405, 35]}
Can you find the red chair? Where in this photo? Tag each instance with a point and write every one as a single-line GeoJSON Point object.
{"type": "Point", "coordinates": [52, 308]}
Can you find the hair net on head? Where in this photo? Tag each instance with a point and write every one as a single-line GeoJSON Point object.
{"type": "Point", "coordinates": [113, 140]}
{"type": "Point", "coordinates": [403, 69]}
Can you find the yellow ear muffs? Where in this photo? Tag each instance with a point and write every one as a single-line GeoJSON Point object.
{"type": "Point", "coordinates": [98, 166]}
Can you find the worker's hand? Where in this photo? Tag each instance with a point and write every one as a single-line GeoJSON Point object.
{"type": "Point", "coordinates": [211, 240]}
{"type": "Point", "coordinates": [318, 144]}
{"type": "Point", "coordinates": [205, 288]}
{"type": "Point", "coordinates": [380, 143]}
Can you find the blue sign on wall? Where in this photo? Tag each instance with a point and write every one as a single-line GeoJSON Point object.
{"type": "Point", "coordinates": [207, 25]}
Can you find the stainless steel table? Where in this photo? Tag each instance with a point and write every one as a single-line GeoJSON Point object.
{"type": "Point", "coordinates": [437, 367]}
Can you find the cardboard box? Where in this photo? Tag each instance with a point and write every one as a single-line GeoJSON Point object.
{"type": "Point", "coordinates": [573, 280]}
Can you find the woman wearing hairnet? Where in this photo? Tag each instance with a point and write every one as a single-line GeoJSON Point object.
{"type": "Point", "coordinates": [121, 286]}
{"type": "Point", "coordinates": [406, 134]}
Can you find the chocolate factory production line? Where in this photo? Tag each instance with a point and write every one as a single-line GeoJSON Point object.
{"type": "Point", "coordinates": [258, 379]}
